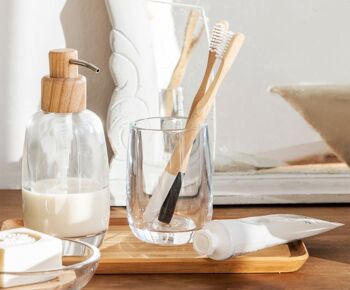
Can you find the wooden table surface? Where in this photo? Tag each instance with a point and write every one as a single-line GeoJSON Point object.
{"type": "Point", "coordinates": [327, 268]}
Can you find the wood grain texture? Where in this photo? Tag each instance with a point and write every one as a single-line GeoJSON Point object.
{"type": "Point", "coordinates": [59, 63]}
{"type": "Point", "coordinates": [327, 268]}
{"type": "Point", "coordinates": [63, 95]}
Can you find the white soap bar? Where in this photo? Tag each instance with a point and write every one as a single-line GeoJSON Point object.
{"type": "Point", "coordinates": [23, 250]}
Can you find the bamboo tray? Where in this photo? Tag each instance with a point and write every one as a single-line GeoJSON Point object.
{"type": "Point", "coordinates": [122, 253]}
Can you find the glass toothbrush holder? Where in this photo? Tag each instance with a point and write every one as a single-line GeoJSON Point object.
{"type": "Point", "coordinates": [149, 151]}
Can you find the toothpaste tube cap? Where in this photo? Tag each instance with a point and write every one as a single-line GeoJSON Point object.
{"type": "Point", "coordinates": [204, 242]}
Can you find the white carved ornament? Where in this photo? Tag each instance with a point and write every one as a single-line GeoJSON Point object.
{"type": "Point", "coordinates": [133, 71]}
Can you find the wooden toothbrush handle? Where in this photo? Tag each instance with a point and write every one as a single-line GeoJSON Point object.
{"type": "Point", "coordinates": [204, 84]}
{"type": "Point", "coordinates": [178, 74]}
{"type": "Point", "coordinates": [180, 157]}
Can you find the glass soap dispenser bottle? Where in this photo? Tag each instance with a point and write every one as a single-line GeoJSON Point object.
{"type": "Point", "coordinates": [65, 165]}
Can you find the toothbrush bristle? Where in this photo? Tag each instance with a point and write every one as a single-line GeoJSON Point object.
{"type": "Point", "coordinates": [217, 36]}
{"type": "Point", "coordinates": [221, 49]}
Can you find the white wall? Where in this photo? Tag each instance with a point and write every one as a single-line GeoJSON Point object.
{"type": "Point", "coordinates": [26, 35]}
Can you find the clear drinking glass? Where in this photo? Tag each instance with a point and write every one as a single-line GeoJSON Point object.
{"type": "Point", "coordinates": [151, 144]}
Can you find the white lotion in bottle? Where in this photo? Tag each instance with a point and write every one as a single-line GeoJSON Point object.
{"type": "Point", "coordinates": [221, 239]}
{"type": "Point", "coordinates": [82, 210]}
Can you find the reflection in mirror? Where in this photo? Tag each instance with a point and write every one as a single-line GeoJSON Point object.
{"type": "Point", "coordinates": [157, 67]}
{"type": "Point", "coordinates": [266, 148]}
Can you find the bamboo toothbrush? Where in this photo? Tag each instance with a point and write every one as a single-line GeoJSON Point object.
{"type": "Point", "coordinates": [194, 30]}
{"type": "Point", "coordinates": [165, 195]}
{"type": "Point", "coordinates": [217, 37]}
{"type": "Point", "coordinates": [228, 50]}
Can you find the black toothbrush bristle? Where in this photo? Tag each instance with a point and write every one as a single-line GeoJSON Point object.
{"type": "Point", "coordinates": [168, 207]}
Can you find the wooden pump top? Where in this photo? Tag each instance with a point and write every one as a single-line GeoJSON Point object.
{"type": "Point", "coordinates": [64, 90]}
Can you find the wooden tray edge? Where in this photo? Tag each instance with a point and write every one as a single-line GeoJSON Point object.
{"type": "Point", "coordinates": [256, 265]}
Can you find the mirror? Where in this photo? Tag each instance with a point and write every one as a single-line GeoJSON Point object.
{"type": "Point", "coordinates": [259, 136]}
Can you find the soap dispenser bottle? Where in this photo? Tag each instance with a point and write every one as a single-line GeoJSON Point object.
{"type": "Point", "coordinates": [65, 164]}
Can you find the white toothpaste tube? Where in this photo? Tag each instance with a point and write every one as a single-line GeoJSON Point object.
{"type": "Point", "coordinates": [221, 239]}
